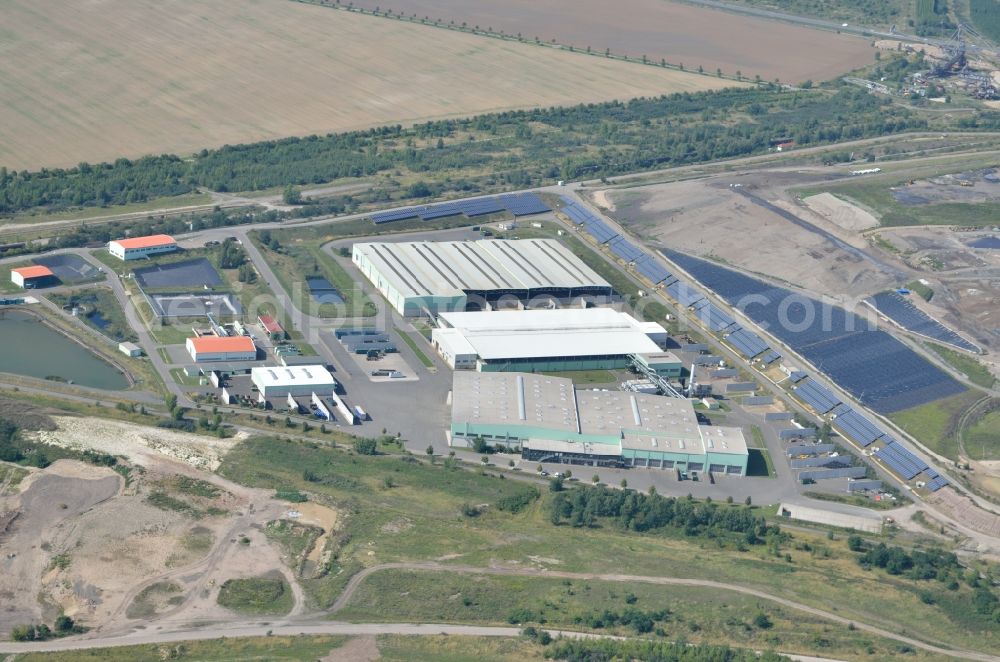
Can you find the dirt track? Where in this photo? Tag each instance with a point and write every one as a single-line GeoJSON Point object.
{"type": "Point", "coordinates": [218, 630]}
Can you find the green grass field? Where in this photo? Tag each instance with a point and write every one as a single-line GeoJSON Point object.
{"type": "Point", "coordinates": [420, 518]}
{"type": "Point", "coordinates": [100, 303]}
{"type": "Point", "coordinates": [696, 615]}
{"type": "Point", "coordinates": [267, 595]}
{"type": "Point", "coordinates": [454, 648]}
{"type": "Point", "coordinates": [982, 439]}
{"type": "Point", "coordinates": [977, 373]}
{"type": "Point", "coordinates": [935, 424]}
{"type": "Point", "coordinates": [293, 649]}
{"type": "Point", "coordinates": [874, 194]}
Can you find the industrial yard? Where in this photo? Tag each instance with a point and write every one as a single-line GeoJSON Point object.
{"type": "Point", "coordinates": [687, 376]}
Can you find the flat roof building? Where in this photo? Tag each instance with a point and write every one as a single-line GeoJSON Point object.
{"type": "Point", "coordinates": [431, 277]}
{"type": "Point", "coordinates": [31, 277]}
{"type": "Point", "coordinates": [544, 340]}
{"type": "Point", "coordinates": [139, 247]}
{"type": "Point", "coordinates": [130, 349]}
{"type": "Point", "coordinates": [550, 421]}
{"type": "Point", "coordinates": [298, 380]}
{"type": "Point", "coordinates": [215, 348]}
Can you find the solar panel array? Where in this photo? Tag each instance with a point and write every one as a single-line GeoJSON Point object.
{"type": "Point", "coordinates": [808, 340]}
{"type": "Point", "coordinates": [716, 319]}
{"type": "Point", "coordinates": [818, 397]}
{"type": "Point", "coordinates": [900, 460]}
{"type": "Point", "coordinates": [523, 204]}
{"type": "Point", "coordinates": [653, 271]}
{"type": "Point", "coordinates": [770, 357]}
{"type": "Point", "coordinates": [518, 204]}
{"type": "Point", "coordinates": [879, 370]}
{"type": "Point", "coordinates": [624, 249]}
{"type": "Point", "coordinates": [857, 427]}
{"type": "Point", "coordinates": [904, 313]}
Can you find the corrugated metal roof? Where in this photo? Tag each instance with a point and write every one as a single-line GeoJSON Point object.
{"type": "Point", "coordinates": [146, 242]}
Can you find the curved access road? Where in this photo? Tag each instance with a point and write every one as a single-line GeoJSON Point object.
{"type": "Point", "coordinates": [356, 580]}
{"type": "Point", "coordinates": [192, 631]}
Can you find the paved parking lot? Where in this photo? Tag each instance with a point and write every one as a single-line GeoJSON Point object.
{"type": "Point", "coordinates": [197, 272]}
{"type": "Point", "coordinates": [69, 268]}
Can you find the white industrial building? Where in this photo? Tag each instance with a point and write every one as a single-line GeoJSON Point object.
{"type": "Point", "coordinates": [140, 247]}
{"type": "Point", "coordinates": [548, 420]}
{"type": "Point", "coordinates": [429, 277]}
{"type": "Point", "coordinates": [299, 380]}
{"type": "Point", "coordinates": [544, 340]}
{"type": "Point", "coordinates": [218, 349]}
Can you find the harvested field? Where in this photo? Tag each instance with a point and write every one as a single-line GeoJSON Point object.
{"type": "Point", "coordinates": [659, 29]}
{"type": "Point", "coordinates": [97, 80]}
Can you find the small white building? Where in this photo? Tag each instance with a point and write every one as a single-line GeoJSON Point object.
{"type": "Point", "coordinates": [214, 348]}
{"type": "Point", "coordinates": [299, 380]}
{"type": "Point", "coordinates": [130, 349]}
{"type": "Point", "coordinates": [140, 247]}
{"type": "Point", "coordinates": [31, 277]}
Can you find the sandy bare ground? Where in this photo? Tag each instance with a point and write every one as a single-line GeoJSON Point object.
{"type": "Point", "coordinates": [138, 442]}
{"type": "Point", "coordinates": [661, 29]}
{"type": "Point", "coordinates": [93, 81]}
{"type": "Point", "coordinates": [48, 507]}
{"type": "Point", "coordinates": [709, 219]}
{"type": "Point", "coordinates": [840, 212]}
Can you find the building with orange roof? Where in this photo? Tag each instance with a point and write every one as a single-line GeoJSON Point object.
{"type": "Point", "coordinates": [135, 248]}
{"type": "Point", "coordinates": [31, 277]}
{"type": "Point", "coordinates": [215, 349]}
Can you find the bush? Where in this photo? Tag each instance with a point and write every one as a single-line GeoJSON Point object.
{"type": "Point", "coordinates": [515, 503]}
{"type": "Point", "coordinates": [762, 621]}
{"type": "Point", "coordinates": [366, 447]}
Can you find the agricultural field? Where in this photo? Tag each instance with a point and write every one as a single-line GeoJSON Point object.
{"type": "Point", "coordinates": [880, 13]}
{"type": "Point", "coordinates": [98, 81]}
{"type": "Point", "coordinates": [679, 33]}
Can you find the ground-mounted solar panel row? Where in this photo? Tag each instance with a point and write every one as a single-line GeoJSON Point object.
{"type": "Point", "coordinates": [872, 365]}
{"type": "Point", "coordinates": [769, 357]}
{"type": "Point", "coordinates": [818, 397]}
{"type": "Point", "coordinates": [624, 249]}
{"type": "Point", "coordinates": [747, 343]}
{"type": "Point", "coordinates": [857, 427]}
{"type": "Point", "coordinates": [519, 204]}
{"type": "Point", "coordinates": [902, 311]}
{"type": "Point", "coordinates": [716, 319]}
{"type": "Point", "coordinates": [900, 460]}
{"type": "Point", "coordinates": [653, 271]}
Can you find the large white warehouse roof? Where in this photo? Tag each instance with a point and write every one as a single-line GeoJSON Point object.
{"type": "Point", "coordinates": [550, 333]}
{"type": "Point", "coordinates": [451, 268]}
{"type": "Point", "coordinates": [299, 375]}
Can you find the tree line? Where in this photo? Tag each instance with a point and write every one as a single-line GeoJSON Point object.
{"type": "Point", "coordinates": [630, 510]}
{"type": "Point", "coordinates": [519, 148]}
